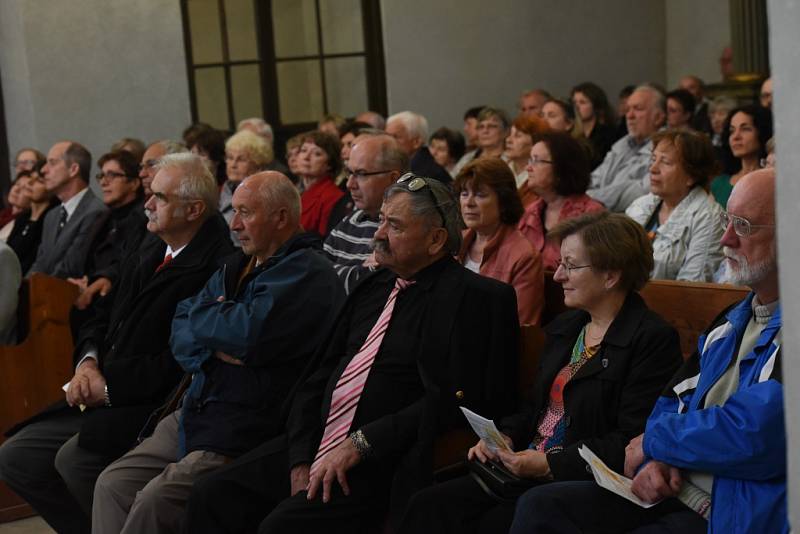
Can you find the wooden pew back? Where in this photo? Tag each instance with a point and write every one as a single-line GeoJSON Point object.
{"type": "Point", "coordinates": [32, 372]}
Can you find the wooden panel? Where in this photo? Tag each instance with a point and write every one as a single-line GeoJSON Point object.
{"type": "Point", "coordinates": [32, 372]}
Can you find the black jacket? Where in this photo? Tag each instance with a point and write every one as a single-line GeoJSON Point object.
{"type": "Point", "coordinates": [608, 400]}
{"type": "Point", "coordinates": [132, 335]}
{"type": "Point", "coordinates": [467, 355]}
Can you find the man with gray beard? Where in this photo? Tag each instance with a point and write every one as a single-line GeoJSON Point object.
{"type": "Point", "coordinates": [714, 448]}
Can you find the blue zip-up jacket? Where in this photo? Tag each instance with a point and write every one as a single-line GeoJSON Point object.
{"type": "Point", "coordinates": [741, 443]}
{"type": "Point", "coordinates": [273, 324]}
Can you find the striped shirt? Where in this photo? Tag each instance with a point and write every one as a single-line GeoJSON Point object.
{"type": "Point", "coordinates": [349, 244]}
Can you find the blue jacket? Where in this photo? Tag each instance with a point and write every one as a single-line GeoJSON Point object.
{"type": "Point", "coordinates": [743, 442]}
{"type": "Point", "coordinates": [273, 323]}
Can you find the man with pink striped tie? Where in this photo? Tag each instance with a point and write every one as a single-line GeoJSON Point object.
{"type": "Point", "coordinates": [414, 340]}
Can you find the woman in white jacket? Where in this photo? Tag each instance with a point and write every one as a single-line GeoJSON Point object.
{"type": "Point", "coordinates": [680, 216]}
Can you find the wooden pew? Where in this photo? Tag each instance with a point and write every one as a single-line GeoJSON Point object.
{"type": "Point", "coordinates": [33, 371]}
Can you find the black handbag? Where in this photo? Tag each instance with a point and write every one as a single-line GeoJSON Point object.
{"type": "Point", "coordinates": [497, 481]}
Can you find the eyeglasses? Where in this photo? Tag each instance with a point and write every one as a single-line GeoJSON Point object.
{"type": "Point", "coordinates": [569, 268]}
{"type": "Point", "coordinates": [741, 226]}
{"type": "Point", "coordinates": [537, 160]}
{"type": "Point", "coordinates": [110, 175]}
{"type": "Point", "coordinates": [360, 175]}
{"type": "Point", "coordinates": [414, 183]}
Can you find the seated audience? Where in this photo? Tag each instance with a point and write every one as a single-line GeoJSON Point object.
{"type": "Point", "coordinates": [373, 118]}
{"type": "Point", "coordinates": [19, 201]}
{"type": "Point", "coordinates": [245, 153]}
{"type": "Point", "coordinates": [701, 117]}
{"type": "Point", "coordinates": [28, 159]}
{"type": "Point", "coordinates": [524, 130]}
{"type": "Point", "coordinates": [293, 145]}
{"type": "Point", "coordinates": [209, 144]}
{"type": "Point", "coordinates": [125, 368]}
{"type": "Point", "coordinates": [596, 118]}
{"type": "Point", "coordinates": [11, 275]}
{"type": "Point", "coordinates": [680, 109]}
{"type": "Point", "coordinates": [559, 115]}
{"type": "Point", "coordinates": [411, 131]}
{"type": "Point", "coordinates": [120, 233]}
{"type": "Point", "coordinates": [376, 162]}
{"type": "Point", "coordinates": [149, 166]}
{"type": "Point", "coordinates": [471, 128]}
{"type": "Point", "coordinates": [622, 176]}
{"type": "Point", "coordinates": [746, 131]}
{"type": "Point", "coordinates": [601, 369]}
{"type": "Point", "coordinates": [319, 161]}
{"type": "Point", "coordinates": [67, 230]}
{"type": "Point", "coordinates": [350, 131]}
{"type": "Point", "coordinates": [258, 126]}
{"type": "Point", "coordinates": [446, 146]}
{"type": "Point", "coordinates": [245, 352]}
{"type": "Point", "coordinates": [27, 232]}
{"type": "Point", "coordinates": [492, 246]}
{"type": "Point", "coordinates": [531, 102]}
{"type": "Point", "coordinates": [679, 216]}
{"type": "Point", "coordinates": [714, 447]}
{"type": "Point", "coordinates": [718, 111]}
{"type": "Point", "coordinates": [133, 146]}
{"type": "Point", "coordinates": [493, 127]}
{"type": "Point", "coordinates": [422, 320]}
{"type": "Point", "coordinates": [765, 94]}
{"type": "Point", "coordinates": [558, 173]}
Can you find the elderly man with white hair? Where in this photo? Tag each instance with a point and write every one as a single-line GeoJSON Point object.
{"type": "Point", "coordinates": [411, 131]}
{"type": "Point", "coordinates": [623, 175]}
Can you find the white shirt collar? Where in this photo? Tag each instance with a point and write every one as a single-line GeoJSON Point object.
{"type": "Point", "coordinates": [174, 252]}
{"type": "Point", "coordinates": [71, 204]}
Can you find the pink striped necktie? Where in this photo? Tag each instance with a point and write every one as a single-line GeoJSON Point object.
{"type": "Point", "coordinates": [347, 392]}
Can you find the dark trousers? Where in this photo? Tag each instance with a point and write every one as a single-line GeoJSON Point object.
{"type": "Point", "coordinates": [457, 506]}
{"type": "Point", "coordinates": [584, 507]}
{"type": "Point", "coordinates": [43, 464]}
{"type": "Point", "coordinates": [254, 489]}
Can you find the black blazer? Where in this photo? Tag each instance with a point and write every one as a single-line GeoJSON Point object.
{"type": "Point", "coordinates": [608, 400]}
{"type": "Point", "coordinates": [132, 335]}
{"type": "Point", "coordinates": [467, 355]}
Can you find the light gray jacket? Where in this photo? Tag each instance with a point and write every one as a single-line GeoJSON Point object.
{"type": "Point", "coordinates": [624, 174]}
{"type": "Point", "coordinates": [686, 247]}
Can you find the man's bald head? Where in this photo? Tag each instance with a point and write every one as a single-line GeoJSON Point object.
{"type": "Point", "coordinates": [266, 213]}
{"type": "Point", "coordinates": [755, 193]}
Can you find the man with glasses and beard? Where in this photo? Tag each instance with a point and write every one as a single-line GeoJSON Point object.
{"type": "Point", "coordinates": [413, 341]}
{"type": "Point", "coordinates": [714, 448]}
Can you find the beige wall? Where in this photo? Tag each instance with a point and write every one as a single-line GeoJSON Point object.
{"type": "Point", "coordinates": [696, 34]}
{"type": "Point", "coordinates": [92, 70]}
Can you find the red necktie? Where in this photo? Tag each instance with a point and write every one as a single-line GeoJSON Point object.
{"type": "Point", "coordinates": [347, 392]}
{"type": "Point", "coordinates": [167, 259]}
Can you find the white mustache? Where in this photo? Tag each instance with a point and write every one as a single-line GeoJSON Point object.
{"type": "Point", "coordinates": [381, 245]}
{"type": "Point", "coordinates": [151, 215]}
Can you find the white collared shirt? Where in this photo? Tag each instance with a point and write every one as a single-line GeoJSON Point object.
{"type": "Point", "coordinates": [71, 205]}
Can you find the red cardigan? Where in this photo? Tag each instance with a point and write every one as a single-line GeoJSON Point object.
{"type": "Point", "coordinates": [509, 257]}
{"type": "Point", "coordinates": [318, 201]}
{"type": "Point", "coordinates": [532, 226]}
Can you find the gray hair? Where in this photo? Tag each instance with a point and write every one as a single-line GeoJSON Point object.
{"type": "Point", "coordinates": [171, 147]}
{"type": "Point", "coordinates": [416, 125]}
{"type": "Point", "coordinates": [261, 127]}
{"type": "Point", "coordinates": [658, 94]}
{"type": "Point", "coordinates": [437, 207]}
{"type": "Point", "coordinates": [196, 182]}
{"type": "Point", "coordinates": [389, 155]}
{"type": "Point", "coordinates": [277, 191]}
{"type": "Point", "coordinates": [373, 118]}
{"type": "Point", "coordinates": [722, 103]}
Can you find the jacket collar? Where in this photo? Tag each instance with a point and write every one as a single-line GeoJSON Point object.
{"type": "Point", "coordinates": [491, 246]}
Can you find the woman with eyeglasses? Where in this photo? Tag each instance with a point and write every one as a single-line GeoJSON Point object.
{"type": "Point", "coordinates": [27, 232]}
{"type": "Point", "coordinates": [679, 216]}
{"type": "Point", "coordinates": [492, 246]}
{"type": "Point", "coordinates": [746, 130]}
{"type": "Point", "coordinates": [524, 130]}
{"type": "Point", "coordinates": [602, 367]}
{"type": "Point", "coordinates": [558, 172]}
{"type": "Point", "coordinates": [319, 161]}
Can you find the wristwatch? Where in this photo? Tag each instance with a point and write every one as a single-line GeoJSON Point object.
{"type": "Point", "coordinates": [361, 444]}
